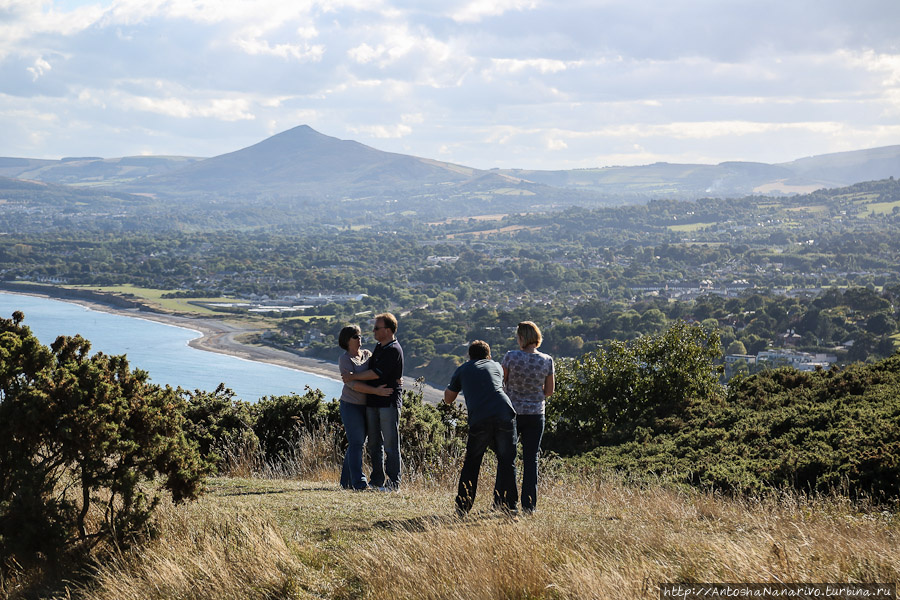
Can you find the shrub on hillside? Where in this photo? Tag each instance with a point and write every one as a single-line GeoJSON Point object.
{"type": "Point", "coordinates": [82, 440]}
{"type": "Point", "coordinates": [219, 424]}
{"type": "Point", "coordinates": [277, 419]}
{"type": "Point", "coordinates": [609, 395]}
{"type": "Point", "coordinates": [821, 432]}
{"type": "Point", "coordinates": [429, 434]}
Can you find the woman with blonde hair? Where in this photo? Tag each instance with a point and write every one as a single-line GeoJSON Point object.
{"type": "Point", "coordinates": [528, 378]}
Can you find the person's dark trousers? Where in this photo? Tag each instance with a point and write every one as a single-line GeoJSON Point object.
{"type": "Point", "coordinates": [500, 434]}
{"type": "Point", "coordinates": [354, 418]}
{"type": "Point", "coordinates": [530, 429]}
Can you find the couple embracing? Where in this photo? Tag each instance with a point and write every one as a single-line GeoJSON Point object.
{"type": "Point", "coordinates": [370, 405]}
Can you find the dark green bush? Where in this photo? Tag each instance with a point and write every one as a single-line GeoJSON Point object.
{"type": "Point", "coordinates": [605, 396]}
{"type": "Point", "coordinates": [654, 407]}
{"type": "Point", "coordinates": [277, 418]}
{"type": "Point", "coordinates": [429, 434]}
{"type": "Point", "coordinates": [219, 423]}
{"type": "Point", "coordinates": [82, 434]}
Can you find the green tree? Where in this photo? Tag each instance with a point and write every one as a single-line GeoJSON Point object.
{"type": "Point", "coordinates": [79, 432]}
{"type": "Point", "coordinates": [604, 396]}
{"type": "Point", "coordinates": [736, 347]}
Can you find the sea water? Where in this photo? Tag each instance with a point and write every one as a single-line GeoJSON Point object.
{"type": "Point", "coordinates": [162, 350]}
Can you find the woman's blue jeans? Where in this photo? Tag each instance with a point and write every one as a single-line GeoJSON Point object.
{"type": "Point", "coordinates": [354, 418]}
{"type": "Point", "coordinates": [530, 429]}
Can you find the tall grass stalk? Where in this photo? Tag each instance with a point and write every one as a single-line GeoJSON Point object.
{"type": "Point", "coordinates": [203, 554]}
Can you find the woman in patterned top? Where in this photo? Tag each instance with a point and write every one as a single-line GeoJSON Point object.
{"type": "Point", "coordinates": [529, 380]}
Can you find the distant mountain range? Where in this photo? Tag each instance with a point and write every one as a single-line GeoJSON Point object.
{"type": "Point", "coordinates": [302, 163]}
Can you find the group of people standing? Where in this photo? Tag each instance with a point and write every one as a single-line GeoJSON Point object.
{"type": "Point", "coordinates": [505, 405]}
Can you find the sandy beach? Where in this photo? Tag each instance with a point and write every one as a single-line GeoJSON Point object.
{"type": "Point", "coordinates": [225, 338]}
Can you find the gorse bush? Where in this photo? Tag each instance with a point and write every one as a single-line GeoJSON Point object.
{"type": "Point", "coordinates": [83, 439]}
{"type": "Point", "coordinates": [823, 431]}
{"type": "Point", "coordinates": [609, 395]}
{"type": "Point", "coordinates": [654, 407]}
{"type": "Point", "coordinates": [276, 419]}
{"type": "Point", "coordinates": [430, 436]}
{"type": "Point", "coordinates": [219, 424]}
{"type": "Point", "coordinates": [259, 436]}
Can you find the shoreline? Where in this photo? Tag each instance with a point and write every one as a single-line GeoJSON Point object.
{"type": "Point", "coordinates": [221, 337]}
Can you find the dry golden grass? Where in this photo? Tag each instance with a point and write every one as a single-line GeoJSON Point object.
{"type": "Point", "coordinates": [287, 530]}
{"type": "Point", "coordinates": [203, 553]}
{"type": "Point", "coordinates": [611, 540]}
{"type": "Point", "coordinates": [596, 538]}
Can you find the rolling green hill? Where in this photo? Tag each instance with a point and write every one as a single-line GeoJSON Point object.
{"type": "Point", "coordinates": [304, 170]}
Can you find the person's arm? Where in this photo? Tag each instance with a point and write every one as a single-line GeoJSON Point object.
{"type": "Point", "coordinates": [505, 376]}
{"type": "Point", "coordinates": [365, 388]}
{"type": "Point", "coordinates": [549, 385]}
{"type": "Point", "coordinates": [367, 375]}
{"type": "Point", "coordinates": [450, 396]}
{"type": "Point", "coordinates": [453, 388]}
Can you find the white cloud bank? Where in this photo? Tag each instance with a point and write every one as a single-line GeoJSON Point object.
{"type": "Point", "coordinates": [507, 83]}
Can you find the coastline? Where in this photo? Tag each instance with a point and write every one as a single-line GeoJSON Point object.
{"type": "Point", "coordinates": [222, 337]}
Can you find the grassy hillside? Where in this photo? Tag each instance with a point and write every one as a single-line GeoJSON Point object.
{"type": "Point", "coordinates": [598, 537]}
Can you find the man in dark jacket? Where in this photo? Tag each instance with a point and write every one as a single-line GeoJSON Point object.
{"type": "Point", "coordinates": [492, 423]}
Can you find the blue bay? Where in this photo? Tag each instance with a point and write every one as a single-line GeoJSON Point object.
{"type": "Point", "coordinates": [161, 350]}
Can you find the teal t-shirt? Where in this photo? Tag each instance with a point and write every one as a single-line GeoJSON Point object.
{"type": "Point", "coordinates": [481, 383]}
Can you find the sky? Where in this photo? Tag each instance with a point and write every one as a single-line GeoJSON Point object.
{"type": "Point", "coordinates": [531, 84]}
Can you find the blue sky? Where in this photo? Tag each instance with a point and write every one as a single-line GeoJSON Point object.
{"type": "Point", "coordinates": [540, 84]}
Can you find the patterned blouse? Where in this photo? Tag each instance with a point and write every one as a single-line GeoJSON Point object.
{"type": "Point", "coordinates": [525, 384]}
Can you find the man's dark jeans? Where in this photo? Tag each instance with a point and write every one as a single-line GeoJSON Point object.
{"type": "Point", "coordinates": [500, 435]}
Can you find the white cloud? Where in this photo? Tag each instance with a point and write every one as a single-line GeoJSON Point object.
{"type": "Point", "coordinates": [299, 52]}
{"type": "Point", "coordinates": [886, 65]}
{"type": "Point", "coordinates": [514, 66]}
{"type": "Point", "coordinates": [395, 42]}
{"type": "Point", "coordinates": [395, 131]}
{"type": "Point", "coordinates": [181, 106]}
{"type": "Point", "coordinates": [478, 10]}
{"type": "Point", "coordinates": [40, 67]}
{"type": "Point", "coordinates": [365, 53]}
{"type": "Point", "coordinates": [556, 144]}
